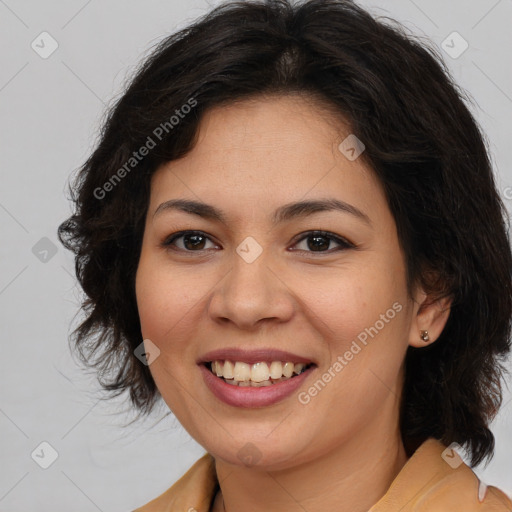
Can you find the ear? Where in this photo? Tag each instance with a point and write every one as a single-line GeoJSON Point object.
{"type": "Point", "coordinates": [428, 315]}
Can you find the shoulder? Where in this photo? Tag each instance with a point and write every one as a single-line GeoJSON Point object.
{"type": "Point", "coordinates": [194, 491]}
{"type": "Point", "coordinates": [435, 479]}
{"type": "Point", "coordinates": [462, 490]}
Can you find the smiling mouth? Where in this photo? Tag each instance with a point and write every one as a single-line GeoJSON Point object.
{"type": "Point", "coordinates": [259, 374]}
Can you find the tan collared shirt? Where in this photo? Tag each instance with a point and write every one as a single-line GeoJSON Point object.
{"type": "Point", "coordinates": [430, 481]}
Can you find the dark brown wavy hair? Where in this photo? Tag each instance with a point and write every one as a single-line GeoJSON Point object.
{"type": "Point", "coordinates": [421, 141]}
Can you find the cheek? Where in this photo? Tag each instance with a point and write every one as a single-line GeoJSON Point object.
{"type": "Point", "coordinates": [362, 313]}
{"type": "Point", "coordinates": [166, 318]}
{"type": "Point", "coordinates": [170, 303]}
{"type": "Point", "coordinates": [363, 317]}
{"type": "Point", "coordinates": [164, 296]}
{"type": "Point", "coordinates": [152, 300]}
{"type": "Point", "coordinates": [348, 300]}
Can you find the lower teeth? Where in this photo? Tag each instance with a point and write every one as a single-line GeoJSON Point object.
{"type": "Point", "coordinates": [250, 383]}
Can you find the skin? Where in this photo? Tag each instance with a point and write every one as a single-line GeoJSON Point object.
{"type": "Point", "coordinates": [342, 450]}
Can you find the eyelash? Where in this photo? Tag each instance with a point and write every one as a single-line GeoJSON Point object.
{"type": "Point", "coordinates": [345, 244]}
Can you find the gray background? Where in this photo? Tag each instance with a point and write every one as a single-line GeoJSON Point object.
{"type": "Point", "coordinates": [50, 110]}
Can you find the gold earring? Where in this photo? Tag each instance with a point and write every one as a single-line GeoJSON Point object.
{"type": "Point", "coordinates": [424, 335]}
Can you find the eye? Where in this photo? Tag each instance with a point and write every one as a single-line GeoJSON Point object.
{"type": "Point", "coordinates": [193, 241]}
{"type": "Point", "coordinates": [320, 240]}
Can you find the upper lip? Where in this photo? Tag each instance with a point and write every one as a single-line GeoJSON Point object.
{"type": "Point", "coordinates": [252, 356]}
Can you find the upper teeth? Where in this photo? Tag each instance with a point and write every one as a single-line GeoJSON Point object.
{"type": "Point", "coordinates": [257, 372]}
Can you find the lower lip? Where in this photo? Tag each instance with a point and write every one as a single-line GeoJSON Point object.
{"type": "Point", "coordinates": [247, 396]}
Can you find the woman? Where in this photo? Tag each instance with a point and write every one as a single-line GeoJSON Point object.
{"type": "Point", "coordinates": [290, 231]}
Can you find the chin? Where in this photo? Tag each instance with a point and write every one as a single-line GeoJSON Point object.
{"type": "Point", "coordinates": [260, 453]}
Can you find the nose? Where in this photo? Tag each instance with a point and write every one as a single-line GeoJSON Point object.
{"type": "Point", "coordinates": [252, 294]}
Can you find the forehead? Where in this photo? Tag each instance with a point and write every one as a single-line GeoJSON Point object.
{"type": "Point", "coordinates": [264, 152]}
{"type": "Point", "coordinates": [276, 122]}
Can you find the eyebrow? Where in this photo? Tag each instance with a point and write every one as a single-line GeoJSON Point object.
{"type": "Point", "coordinates": [282, 214]}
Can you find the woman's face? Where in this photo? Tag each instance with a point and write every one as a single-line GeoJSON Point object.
{"type": "Point", "coordinates": [258, 280]}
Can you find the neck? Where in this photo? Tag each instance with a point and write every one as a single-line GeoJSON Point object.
{"type": "Point", "coordinates": [351, 478]}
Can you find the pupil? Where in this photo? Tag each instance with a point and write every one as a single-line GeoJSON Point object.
{"type": "Point", "coordinates": [318, 245]}
{"type": "Point", "coordinates": [195, 244]}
